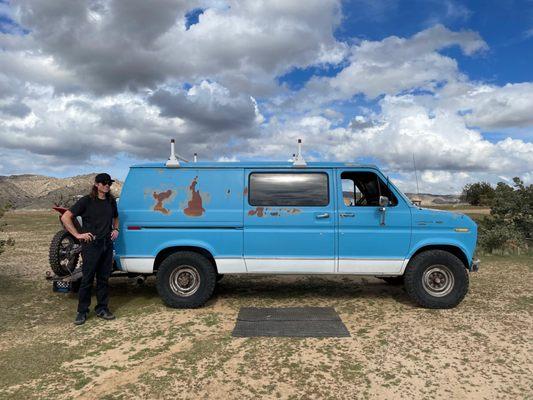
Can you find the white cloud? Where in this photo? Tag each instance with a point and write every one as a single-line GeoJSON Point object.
{"type": "Point", "coordinates": [447, 152]}
{"type": "Point", "coordinates": [395, 64]}
{"type": "Point", "coordinates": [111, 46]}
{"type": "Point", "coordinates": [491, 107]}
{"type": "Point", "coordinates": [77, 127]}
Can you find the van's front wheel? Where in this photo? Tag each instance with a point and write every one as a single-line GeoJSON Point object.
{"type": "Point", "coordinates": [186, 280]}
{"type": "Point", "coordinates": [436, 279]}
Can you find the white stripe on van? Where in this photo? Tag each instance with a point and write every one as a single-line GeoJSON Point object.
{"type": "Point", "coordinates": [144, 265]}
{"type": "Point", "coordinates": [238, 265]}
{"type": "Point", "coordinates": [362, 266]}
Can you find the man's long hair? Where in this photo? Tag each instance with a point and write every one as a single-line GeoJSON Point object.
{"type": "Point", "coordinates": [94, 193]}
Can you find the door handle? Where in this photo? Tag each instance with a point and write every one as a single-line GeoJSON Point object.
{"type": "Point", "coordinates": [347, 214]}
{"type": "Point", "coordinates": [322, 216]}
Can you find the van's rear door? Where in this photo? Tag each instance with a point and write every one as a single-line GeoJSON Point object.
{"type": "Point", "coordinates": [289, 221]}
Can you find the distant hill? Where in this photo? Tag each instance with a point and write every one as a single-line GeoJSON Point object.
{"type": "Point", "coordinates": [428, 199]}
{"type": "Point", "coordinates": [42, 192]}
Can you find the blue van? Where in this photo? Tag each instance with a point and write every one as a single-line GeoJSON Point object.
{"type": "Point", "coordinates": [190, 223]}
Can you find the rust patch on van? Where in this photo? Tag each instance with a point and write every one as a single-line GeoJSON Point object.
{"type": "Point", "coordinates": [245, 191]}
{"type": "Point", "coordinates": [259, 211]}
{"type": "Point", "coordinates": [194, 205]}
{"type": "Point", "coordinates": [293, 211]}
{"type": "Point", "coordinates": [160, 198]}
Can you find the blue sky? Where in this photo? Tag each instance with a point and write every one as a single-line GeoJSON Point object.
{"type": "Point", "coordinates": [99, 85]}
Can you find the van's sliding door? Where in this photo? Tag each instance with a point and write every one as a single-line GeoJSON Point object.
{"type": "Point", "coordinates": [289, 221]}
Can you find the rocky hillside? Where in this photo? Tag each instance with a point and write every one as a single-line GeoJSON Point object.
{"type": "Point", "coordinates": [43, 192]}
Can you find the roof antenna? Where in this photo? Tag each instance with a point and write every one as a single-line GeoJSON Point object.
{"type": "Point", "coordinates": [173, 159]}
{"type": "Point", "coordinates": [299, 160]}
{"type": "Point", "coordinates": [417, 189]}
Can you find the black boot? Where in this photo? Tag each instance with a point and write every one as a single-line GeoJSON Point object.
{"type": "Point", "coordinates": [81, 317]}
{"type": "Point", "coordinates": [105, 314]}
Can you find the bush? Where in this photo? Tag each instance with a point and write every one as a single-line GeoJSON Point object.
{"type": "Point", "coordinates": [510, 224]}
{"type": "Point", "coordinates": [504, 238]}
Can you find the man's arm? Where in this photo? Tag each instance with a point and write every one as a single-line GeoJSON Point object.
{"type": "Point", "coordinates": [66, 219]}
{"type": "Point", "coordinates": [114, 232]}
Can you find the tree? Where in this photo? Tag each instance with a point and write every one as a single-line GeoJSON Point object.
{"type": "Point", "coordinates": [478, 194]}
{"type": "Point", "coordinates": [510, 224]}
{"type": "Point", "coordinates": [514, 204]}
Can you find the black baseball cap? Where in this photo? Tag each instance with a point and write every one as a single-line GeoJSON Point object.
{"type": "Point", "coordinates": [103, 178]}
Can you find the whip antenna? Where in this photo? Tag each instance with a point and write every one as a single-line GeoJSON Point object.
{"type": "Point", "coordinates": [416, 177]}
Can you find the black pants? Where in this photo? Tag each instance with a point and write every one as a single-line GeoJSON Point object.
{"type": "Point", "coordinates": [97, 261]}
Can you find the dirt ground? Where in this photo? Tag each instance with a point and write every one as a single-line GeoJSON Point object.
{"type": "Point", "coordinates": [481, 349]}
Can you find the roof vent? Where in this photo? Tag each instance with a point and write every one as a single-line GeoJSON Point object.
{"type": "Point", "coordinates": [172, 160]}
{"type": "Point", "coordinates": [299, 160]}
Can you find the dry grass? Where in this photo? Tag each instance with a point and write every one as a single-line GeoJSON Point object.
{"type": "Point", "coordinates": [481, 349]}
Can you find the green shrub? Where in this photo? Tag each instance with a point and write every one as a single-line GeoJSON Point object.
{"type": "Point", "coordinates": [495, 237]}
{"type": "Point", "coordinates": [509, 227]}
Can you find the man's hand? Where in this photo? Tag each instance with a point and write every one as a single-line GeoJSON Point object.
{"type": "Point", "coordinates": [85, 237]}
{"type": "Point", "coordinates": [114, 234]}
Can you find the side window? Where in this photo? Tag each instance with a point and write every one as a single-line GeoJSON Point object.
{"type": "Point", "coordinates": [350, 192]}
{"type": "Point", "coordinates": [360, 189]}
{"type": "Point", "coordinates": [288, 189]}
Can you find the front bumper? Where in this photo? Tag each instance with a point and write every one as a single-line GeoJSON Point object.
{"type": "Point", "coordinates": [474, 267]}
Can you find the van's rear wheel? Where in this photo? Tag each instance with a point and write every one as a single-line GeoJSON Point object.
{"type": "Point", "coordinates": [436, 279]}
{"type": "Point", "coordinates": [186, 280]}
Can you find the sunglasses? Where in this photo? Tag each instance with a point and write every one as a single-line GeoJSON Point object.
{"type": "Point", "coordinates": [106, 183]}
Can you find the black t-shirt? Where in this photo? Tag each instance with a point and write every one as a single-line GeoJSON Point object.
{"type": "Point", "coordinates": [97, 215]}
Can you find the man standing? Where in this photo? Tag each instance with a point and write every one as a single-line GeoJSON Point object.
{"type": "Point", "coordinates": [99, 214]}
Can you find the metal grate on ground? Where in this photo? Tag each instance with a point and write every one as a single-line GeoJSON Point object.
{"type": "Point", "coordinates": [318, 322]}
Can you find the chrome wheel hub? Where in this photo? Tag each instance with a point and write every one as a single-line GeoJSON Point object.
{"type": "Point", "coordinates": [184, 280]}
{"type": "Point", "coordinates": [438, 280]}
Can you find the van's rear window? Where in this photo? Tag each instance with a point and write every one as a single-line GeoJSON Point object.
{"type": "Point", "coordinates": [288, 189]}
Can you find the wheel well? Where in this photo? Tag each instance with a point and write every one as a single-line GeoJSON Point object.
{"type": "Point", "coordinates": [170, 250]}
{"type": "Point", "coordinates": [456, 251]}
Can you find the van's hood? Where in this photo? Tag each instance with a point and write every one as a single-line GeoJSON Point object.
{"type": "Point", "coordinates": [426, 216]}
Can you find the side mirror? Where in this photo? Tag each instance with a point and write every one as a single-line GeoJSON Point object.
{"type": "Point", "coordinates": [383, 201]}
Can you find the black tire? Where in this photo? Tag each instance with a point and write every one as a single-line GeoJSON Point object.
{"type": "Point", "coordinates": [436, 279]}
{"type": "Point", "coordinates": [61, 260]}
{"type": "Point", "coordinates": [393, 280]}
{"type": "Point", "coordinates": [186, 280]}
{"type": "Point", "coordinates": [220, 277]}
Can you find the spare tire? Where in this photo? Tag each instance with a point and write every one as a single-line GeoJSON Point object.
{"type": "Point", "coordinates": [64, 253]}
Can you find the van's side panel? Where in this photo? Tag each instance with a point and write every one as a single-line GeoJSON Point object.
{"type": "Point", "coordinates": [290, 239]}
{"type": "Point", "coordinates": [164, 207]}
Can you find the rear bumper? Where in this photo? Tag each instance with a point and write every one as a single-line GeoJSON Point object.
{"type": "Point", "coordinates": [474, 267]}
